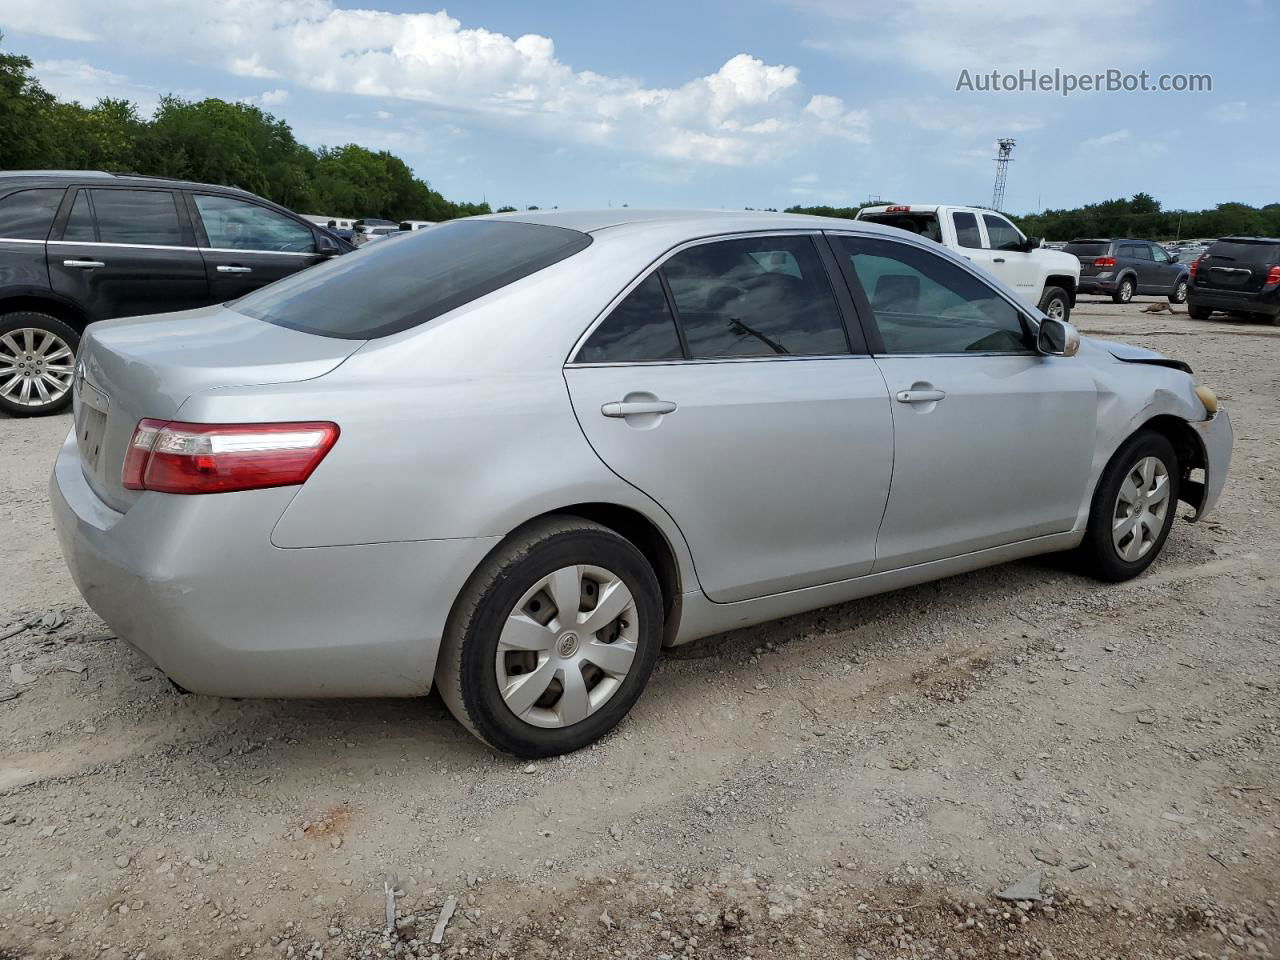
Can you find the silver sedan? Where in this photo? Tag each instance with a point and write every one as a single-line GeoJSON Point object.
{"type": "Point", "coordinates": [515, 456]}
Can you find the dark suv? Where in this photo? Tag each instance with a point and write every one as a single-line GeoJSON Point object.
{"type": "Point", "coordinates": [1122, 268]}
{"type": "Point", "coordinates": [80, 246]}
{"type": "Point", "coordinates": [1238, 274]}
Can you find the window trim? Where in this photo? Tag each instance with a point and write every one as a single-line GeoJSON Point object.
{"type": "Point", "coordinates": [848, 320]}
{"type": "Point", "coordinates": [202, 236]}
{"type": "Point", "coordinates": [866, 317]}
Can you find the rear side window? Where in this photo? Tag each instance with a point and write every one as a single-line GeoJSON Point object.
{"type": "Point", "coordinates": [28, 214]}
{"type": "Point", "coordinates": [639, 328]}
{"type": "Point", "coordinates": [80, 226]}
{"type": "Point", "coordinates": [921, 224]}
{"type": "Point", "coordinates": [967, 233]}
{"type": "Point", "coordinates": [1139, 251]}
{"type": "Point", "coordinates": [390, 287]}
{"type": "Point", "coordinates": [755, 297]}
{"type": "Point", "coordinates": [137, 216]}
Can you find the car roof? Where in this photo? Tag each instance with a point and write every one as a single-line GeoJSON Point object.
{"type": "Point", "coordinates": [10, 177]}
{"type": "Point", "coordinates": [1246, 240]}
{"type": "Point", "coordinates": [696, 221]}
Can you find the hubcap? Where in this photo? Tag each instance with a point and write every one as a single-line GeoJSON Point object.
{"type": "Point", "coordinates": [1057, 309]}
{"type": "Point", "coordinates": [36, 367]}
{"type": "Point", "coordinates": [1140, 509]}
{"type": "Point", "coordinates": [566, 647]}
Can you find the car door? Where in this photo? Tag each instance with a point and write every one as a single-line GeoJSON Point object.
{"type": "Point", "coordinates": [247, 245]}
{"type": "Point", "coordinates": [1017, 265]}
{"type": "Point", "coordinates": [993, 443]}
{"type": "Point", "coordinates": [1145, 267]}
{"type": "Point", "coordinates": [725, 386]}
{"type": "Point", "coordinates": [1166, 272]}
{"type": "Point", "coordinates": [127, 251]}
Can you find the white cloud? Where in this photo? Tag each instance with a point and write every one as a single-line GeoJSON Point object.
{"type": "Point", "coordinates": [943, 37]}
{"type": "Point", "coordinates": [86, 84]}
{"type": "Point", "coordinates": [1107, 139]}
{"type": "Point", "coordinates": [268, 98]}
{"type": "Point", "coordinates": [745, 112]}
{"type": "Point", "coordinates": [1233, 111]}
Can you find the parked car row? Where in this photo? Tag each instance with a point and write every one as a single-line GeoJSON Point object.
{"type": "Point", "coordinates": [1123, 267]}
{"type": "Point", "coordinates": [76, 247]}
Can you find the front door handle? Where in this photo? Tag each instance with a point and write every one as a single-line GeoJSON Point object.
{"type": "Point", "coordinates": [997, 259]}
{"type": "Point", "coordinates": [234, 268]}
{"type": "Point", "coordinates": [637, 408]}
{"type": "Point", "coordinates": [83, 264]}
{"type": "Point", "coordinates": [920, 396]}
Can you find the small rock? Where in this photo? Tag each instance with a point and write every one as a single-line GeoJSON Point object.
{"type": "Point", "coordinates": [7, 818]}
{"type": "Point", "coordinates": [615, 831]}
{"type": "Point", "coordinates": [74, 666]}
{"type": "Point", "coordinates": [1028, 888]}
{"type": "Point", "coordinates": [1047, 856]}
{"type": "Point", "coordinates": [44, 833]}
{"type": "Point", "coordinates": [20, 676]}
{"type": "Point", "coordinates": [606, 920]}
{"type": "Point", "coordinates": [530, 769]}
{"type": "Point", "coordinates": [122, 861]}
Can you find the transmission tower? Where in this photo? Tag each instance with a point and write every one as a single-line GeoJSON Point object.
{"type": "Point", "coordinates": [1002, 171]}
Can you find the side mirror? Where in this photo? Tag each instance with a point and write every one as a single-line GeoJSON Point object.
{"type": "Point", "coordinates": [327, 246]}
{"type": "Point", "coordinates": [1057, 338]}
{"type": "Point", "coordinates": [1033, 243]}
{"type": "Point", "coordinates": [1174, 257]}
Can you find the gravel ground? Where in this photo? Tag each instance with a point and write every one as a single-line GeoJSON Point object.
{"type": "Point", "coordinates": [857, 782]}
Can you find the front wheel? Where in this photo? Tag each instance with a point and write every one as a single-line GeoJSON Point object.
{"type": "Point", "coordinates": [553, 639]}
{"type": "Point", "coordinates": [1132, 509]}
{"type": "Point", "coordinates": [1179, 294]}
{"type": "Point", "coordinates": [1055, 303]}
{"type": "Point", "coordinates": [1124, 292]}
{"type": "Point", "coordinates": [37, 362]}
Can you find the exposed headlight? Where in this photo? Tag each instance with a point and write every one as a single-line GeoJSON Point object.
{"type": "Point", "coordinates": [1208, 398]}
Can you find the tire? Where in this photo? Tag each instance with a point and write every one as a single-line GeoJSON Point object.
{"type": "Point", "coordinates": [1055, 298]}
{"type": "Point", "coordinates": [1179, 294]}
{"type": "Point", "coordinates": [1124, 292]}
{"type": "Point", "coordinates": [1114, 554]}
{"type": "Point", "coordinates": [37, 354]}
{"type": "Point", "coordinates": [1199, 313]}
{"type": "Point", "coordinates": [511, 595]}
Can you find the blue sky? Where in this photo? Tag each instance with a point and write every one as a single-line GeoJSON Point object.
{"type": "Point", "coordinates": [709, 103]}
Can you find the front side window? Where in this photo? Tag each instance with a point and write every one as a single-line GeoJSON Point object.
{"type": "Point", "coordinates": [1002, 234]}
{"type": "Point", "coordinates": [1161, 256]}
{"type": "Point", "coordinates": [28, 214]}
{"type": "Point", "coordinates": [639, 328]}
{"type": "Point", "coordinates": [391, 287]}
{"type": "Point", "coordinates": [755, 297]}
{"type": "Point", "coordinates": [137, 216]}
{"type": "Point", "coordinates": [922, 303]}
{"type": "Point", "coordinates": [967, 232]}
{"type": "Point", "coordinates": [236, 225]}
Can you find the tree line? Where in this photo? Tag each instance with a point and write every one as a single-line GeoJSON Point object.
{"type": "Point", "coordinates": [1140, 216]}
{"type": "Point", "coordinates": [209, 141]}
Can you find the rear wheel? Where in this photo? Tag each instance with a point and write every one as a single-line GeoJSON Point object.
{"type": "Point", "coordinates": [1199, 313]}
{"type": "Point", "coordinates": [1132, 510]}
{"type": "Point", "coordinates": [1124, 292]}
{"type": "Point", "coordinates": [37, 363]}
{"type": "Point", "coordinates": [553, 639]}
{"type": "Point", "coordinates": [1055, 303]}
{"type": "Point", "coordinates": [1179, 294]}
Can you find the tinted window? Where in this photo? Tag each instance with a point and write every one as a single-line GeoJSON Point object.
{"type": "Point", "coordinates": [967, 233]}
{"type": "Point", "coordinates": [1243, 251]}
{"type": "Point", "coordinates": [236, 225]}
{"type": "Point", "coordinates": [1001, 233]}
{"type": "Point", "coordinates": [389, 287]}
{"type": "Point", "coordinates": [922, 303]}
{"type": "Point", "coordinates": [28, 214]}
{"type": "Point", "coordinates": [1088, 248]}
{"type": "Point", "coordinates": [924, 224]}
{"type": "Point", "coordinates": [80, 224]}
{"type": "Point", "coordinates": [137, 216]}
{"type": "Point", "coordinates": [757, 297]}
{"type": "Point", "coordinates": [640, 328]}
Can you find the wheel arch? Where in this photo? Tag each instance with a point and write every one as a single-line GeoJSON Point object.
{"type": "Point", "coordinates": [1066, 282]}
{"type": "Point", "coordinates": [51, 304]}
{"type": "Point", "coordinates": [1190, 451]}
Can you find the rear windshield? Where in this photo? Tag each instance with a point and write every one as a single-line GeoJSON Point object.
{"type": "Point", "coordinates": [390, 287]}
{"type": "Point", "coordinates": [1244, 251]}
{"type": "Point", "coordinates": [1087, 248]}
{"type": "Point", "coordinates": [924, 224]}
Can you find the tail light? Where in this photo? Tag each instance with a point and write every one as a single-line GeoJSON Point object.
{"type": "Point", "coordinates": [1273, 276]}
{"type": "Point", "coordinates": [1195, 266]}
{"type": "Point", "coordinates": [1104, 261]}
{"type": "Point", "coordinates": [175, 457]}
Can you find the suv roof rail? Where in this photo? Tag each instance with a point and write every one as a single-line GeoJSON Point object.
{"type": "Point", "coordinates": [55, 173]}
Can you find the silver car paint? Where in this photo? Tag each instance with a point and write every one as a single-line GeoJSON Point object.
{"type": "Point", "coordinates": [456, 432]}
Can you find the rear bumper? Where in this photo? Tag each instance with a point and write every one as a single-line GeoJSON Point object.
{"type": "Point", "coordinates": [1266, 303]}
{"type": "Point", "coordinates": [1096, 285]}
{"type": "Point", "coordinates": [1217, 436]}
{"type": "Point", "coordinates": [194, 584]}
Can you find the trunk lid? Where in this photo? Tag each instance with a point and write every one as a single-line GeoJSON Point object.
{"type": "Point", "coordinates": [1238, 265]}
{"type": "Point", "coordinates": [1086, 251]}
{"type": "Point", "coordinates": [148, 367]}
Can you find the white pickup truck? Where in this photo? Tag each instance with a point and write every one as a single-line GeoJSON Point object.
{"type": "Point", "coordinates": [1044, 278]}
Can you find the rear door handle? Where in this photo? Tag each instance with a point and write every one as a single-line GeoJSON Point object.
{"type": "Point", "coordinates": [83, 264]}
{"type": "Point", "coordinates": [920, 396]}
{"type": "Point", "coordinates": [236, 268]}
{"type": "Point", "coordinates": [637, 408]}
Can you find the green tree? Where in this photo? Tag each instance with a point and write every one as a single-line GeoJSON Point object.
{"type": "Point", "coordinates": [26, 140]}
